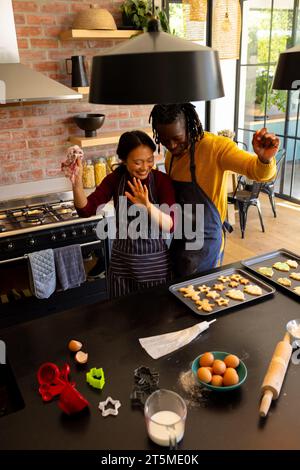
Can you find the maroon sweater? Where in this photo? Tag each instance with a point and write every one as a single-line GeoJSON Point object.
{"type": "Point", "coordinates": [109, 189]}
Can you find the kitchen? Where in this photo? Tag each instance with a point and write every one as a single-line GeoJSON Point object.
{"type": "Point", "coordinates": [34, 141]}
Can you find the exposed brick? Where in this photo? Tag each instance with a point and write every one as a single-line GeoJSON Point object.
{"type": "Point", "coordinates": [52, 131]}
{"type": "Point", "coordinates": [13, 145]}
{"type": "Point", "coordinates": [11, 123]}
{"type": "Point", "coordinates": [19, 19]}
{"type": "Point", "coordinates": [28, 31]}
{"type": "Point", "coordinates": [12, 167]}
{"type": "Point", "coordinates": [22, 43]}
{"type": "Point", "coordinates": [26, 134]}
{"type": "Point", "coordinates": [7, 179]}
{"type": "Point", "coordinates": [40, 19]}
{"type": "Point", "coordinates": [31, 175]}
{"type": "Point", "coordinates": [53, 172]}
{"type": "Point", "coordinates": [52, 31]}
{"type": "Point", "coordinates": [24, 6]}
{"type": "Point", "coordinates": [46, 66]}
{"type": "Point", "coordinates": [55, 7]}
{"type": "Point", "coordinates": [130, 124]}
{"type": "Point", "coordinates": [44, 43]}
{"type": "Point", "coordinates": [32, 56]}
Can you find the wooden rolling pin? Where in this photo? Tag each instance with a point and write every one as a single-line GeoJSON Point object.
{"type": "Point", "coordinates": [275, 375]}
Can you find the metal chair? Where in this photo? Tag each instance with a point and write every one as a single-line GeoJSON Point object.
{"type": "Point", "coordinates": [244, 199]}
{"type": "Point", "coordinates": [269, 186]}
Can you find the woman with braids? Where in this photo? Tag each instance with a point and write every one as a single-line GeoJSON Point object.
{"type": "Point", "coordinates": [140, 258]}
{"type": "Point", "coordinates": [197, 162]}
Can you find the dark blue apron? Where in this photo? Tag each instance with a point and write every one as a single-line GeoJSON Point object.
{"type": "Point", "coordinates": [187, 262]}
{"type": "Point", "coordinates": [141, 263]}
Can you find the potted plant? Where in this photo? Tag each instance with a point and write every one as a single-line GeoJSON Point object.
{"type": "Point", "coordinates": [137, 13]}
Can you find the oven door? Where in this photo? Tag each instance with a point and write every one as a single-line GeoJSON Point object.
{"type": "Point", "coordinates": [17, 303]}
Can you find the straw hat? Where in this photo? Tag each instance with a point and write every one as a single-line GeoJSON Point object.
{"type": "Point", "coordinates": [94, 18]}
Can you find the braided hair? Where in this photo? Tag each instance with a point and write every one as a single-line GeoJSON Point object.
{"type": "Point", "coordinates": [168, 113]}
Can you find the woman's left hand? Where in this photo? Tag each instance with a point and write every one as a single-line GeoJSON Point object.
{"type": "Point", "coordinates": [265, 145]}
{"type": "Point", "coordinates": [139, 193]}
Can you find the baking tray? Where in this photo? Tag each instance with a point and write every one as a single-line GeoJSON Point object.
{"type": "Point", "coordinates": [211, 279]}
{"type": "Point", "coordinates": [268, 259]}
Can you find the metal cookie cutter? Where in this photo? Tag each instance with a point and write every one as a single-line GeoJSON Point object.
{"type": "Point", "coordinates": [109, 411]}
{"type": "Point", "coordinates": [95, 378]}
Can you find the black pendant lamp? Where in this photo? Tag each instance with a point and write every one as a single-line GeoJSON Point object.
{"type": "Point", "coordinates": [288, 70]}
{"type": "Point", "coordinates": [156, 67]}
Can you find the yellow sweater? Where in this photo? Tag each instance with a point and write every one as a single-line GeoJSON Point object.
{"type": "Point", "coordinates": [214, 157]}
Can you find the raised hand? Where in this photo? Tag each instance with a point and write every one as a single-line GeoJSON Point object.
{"type": "Point", "coordinates": [73, 171]}
{"type": "Point", "coordinates": [265, 144]}
{"type": "Point", "coordinates": [139, 194]}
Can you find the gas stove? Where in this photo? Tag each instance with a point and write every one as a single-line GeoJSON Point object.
{"type": "Point", "coordinates": [41, 222]}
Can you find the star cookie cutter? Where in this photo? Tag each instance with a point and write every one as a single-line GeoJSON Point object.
{"type": "Point", "coordinates": [95, 378]}
{"type": "Point", "coordinates": [114, 410]}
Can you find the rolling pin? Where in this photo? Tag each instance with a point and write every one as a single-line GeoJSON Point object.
{"type": "Point", "coordinates": [275, 375]}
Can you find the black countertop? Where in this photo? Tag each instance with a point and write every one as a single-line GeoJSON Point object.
{"type": "Point", "coordinates": [110, 332]}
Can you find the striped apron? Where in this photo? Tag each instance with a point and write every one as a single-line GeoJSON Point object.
{"type": "Point", "coordinates": [141, 263]}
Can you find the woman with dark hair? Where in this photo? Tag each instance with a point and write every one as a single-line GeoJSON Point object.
{"type": "Point", "coordinates": [197, 162]}
{"type": "Point", "coordinates": [139, 260]}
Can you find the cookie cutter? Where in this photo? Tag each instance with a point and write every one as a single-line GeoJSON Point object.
{"type": "Point", "coordinates": [113, 410]}
{"type": "Point", "coordinates": [95, 378]}
{"type": "Point", "coordinates": [146, 382]}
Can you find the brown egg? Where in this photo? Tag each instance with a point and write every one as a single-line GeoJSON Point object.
{"type": "Point", "coordinates": [232, 361]}
{"type": "Point", "coordinates": [74, 345]}
{"type": "Point", "coordinates": [81, 357]}
{"type": "Point", "coordinates": [219, 367]}
{"type": "Point", "coordinates": [217, 381]}
{"type": "Point", "coordinates": [204, 374]}
{"type": "Point", "coordinates": [230, 377]}
{"type": "Point", "coordinates": [206, 360]}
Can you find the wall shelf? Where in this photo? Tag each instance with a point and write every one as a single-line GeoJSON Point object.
{"type": "Point", "coordinates": [84, 90]}
{"type": "Point", "coordinates": [103, 139]}
{"type": "Point", "coordinates": [98, 34]}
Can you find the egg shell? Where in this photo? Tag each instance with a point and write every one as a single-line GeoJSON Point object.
{"type": "Point", "coordinates": [81, 357]}
{"type": "Point", "coordinates": [74, 345]}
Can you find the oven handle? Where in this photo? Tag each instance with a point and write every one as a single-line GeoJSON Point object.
{"type": "Point", "coordinates": [26, 255]}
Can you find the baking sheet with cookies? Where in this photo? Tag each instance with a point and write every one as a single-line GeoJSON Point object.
{"type": "Point", "coordinates": [221, 291]}
{"type": "Point", "coordinates": [276, 272]}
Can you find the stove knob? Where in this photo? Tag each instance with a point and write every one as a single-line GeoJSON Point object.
{"type": "Point", "coordinates": [83, 231]}
{"type": "Point", "coordinates": [94, 229]}
{"type": "Point", "coordinates": [10, 245]}
{"type": "Point", "coordinates": [31, 241]}
{"type": "Point", "coordinates": [74, 233]}
{"type": "Point", "coordinates": [63, 235]}
{"type": "Point", "coordinates": [53, 237]}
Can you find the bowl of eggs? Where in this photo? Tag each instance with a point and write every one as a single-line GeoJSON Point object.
{"type": "Point", "coordinates": [219, 371]}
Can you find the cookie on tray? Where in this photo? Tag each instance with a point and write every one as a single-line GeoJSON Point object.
{"type": "Point", "coordinates": [224, 278]}
{"type": "Point", "coordinates": [186, 289]}
{"type": "Point", "coordinates": [233, 284]}
{"type": "Point", "coordinates": [295, 276]}
{"type": "Point", "coordinates": [205, 305]}
{"type": "Point", "coordinates": [292, 263]}
{"type": "Point", "coordinates": [204, 289]}
{"type": "Point", "coordinates": [266, 271]}
{"type": "Point", "coordinates": [222, 302]}
{"type": "Point", "coordinates": [284, 281]}
{"type": "Point", "coordinates": [235, 294]}
{"type": "Point", "coordinates": [252, 289]}
{"type": "Point", "coordinates": [219, 287]}
{"type": "Point", "coordinates": [244, 281]}
{"type": "Point", "coordinates": [236, 277]}
{"type": "Point", "coordinates": [212, 294]}
{"type": "Point", "coordinates": [297, 290]}
{"type": "Point", "coordinates": [281, 266]}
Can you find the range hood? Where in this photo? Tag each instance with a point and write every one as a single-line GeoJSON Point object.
{"type": "Point", "coordinates": [24, 84]}
{"type": "Point", "coordinates": [18, 82]}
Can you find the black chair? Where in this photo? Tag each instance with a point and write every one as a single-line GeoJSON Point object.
{"type": "Point", "coordinates": [243, 199]}
{"type": "Point", "coordinates": [269, 187]}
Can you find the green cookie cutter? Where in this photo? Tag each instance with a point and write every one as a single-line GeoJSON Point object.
{"type": "Point", "coordinates": [95, 378]}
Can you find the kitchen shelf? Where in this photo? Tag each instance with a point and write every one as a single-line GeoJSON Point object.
{"type": "Point", "coordinates": [97, 34]}
{"type": "Point", "coordinates": [84, 90]}
{"type": "Point", "coordinates": [103, 139]}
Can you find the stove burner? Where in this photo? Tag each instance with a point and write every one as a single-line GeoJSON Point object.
{"type": "Point", "coordinates": [2, 228]}
{"type": "Point", "coordinates": [35, 217]}
{"type": "Point", "coordinates": [64, 211]}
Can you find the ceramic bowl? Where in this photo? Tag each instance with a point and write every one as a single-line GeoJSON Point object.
{"type": "Point", "coordinates": [241, 370]}
{"type": "Point", "coordinates": [89, 123]}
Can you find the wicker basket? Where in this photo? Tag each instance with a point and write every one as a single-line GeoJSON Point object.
{"type": "Point", "coordinates": [94, 18]}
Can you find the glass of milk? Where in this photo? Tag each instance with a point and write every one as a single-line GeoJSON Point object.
{"type": "Point", "coordinates": [165, 414]}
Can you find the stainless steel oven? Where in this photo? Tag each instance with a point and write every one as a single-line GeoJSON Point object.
{"type": "Point", "coordinates": [34, 224]}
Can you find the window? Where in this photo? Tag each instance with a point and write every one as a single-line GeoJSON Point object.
{"type": "Point", "coordinates": [269, 27]}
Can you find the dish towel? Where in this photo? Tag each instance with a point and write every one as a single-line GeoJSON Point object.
{"type": "Point", "coordinates": [69, 266]}
{"type": "Point", "coordinates": [42, 273]}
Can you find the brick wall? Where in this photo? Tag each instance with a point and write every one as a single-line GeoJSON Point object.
{"type": "Point", "coordinates": [33, 138]}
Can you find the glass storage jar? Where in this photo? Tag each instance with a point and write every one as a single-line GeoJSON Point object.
{"type": "Point", "coordinates": [100, 170]}
{"type": "Point", "coordinates": [88, 176]}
